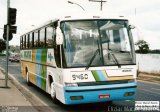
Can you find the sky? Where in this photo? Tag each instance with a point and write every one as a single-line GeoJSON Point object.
{"type": "Point", "coordinates": [144, 14]}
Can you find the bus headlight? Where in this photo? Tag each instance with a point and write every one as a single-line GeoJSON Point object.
{"type": "Point", "coordinates": [71, 84]}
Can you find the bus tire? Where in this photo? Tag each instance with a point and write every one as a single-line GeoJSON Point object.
{"type": "Point", "coordinates": [28, 82]}
{"type": "Point", "coordinates": [53, 93]}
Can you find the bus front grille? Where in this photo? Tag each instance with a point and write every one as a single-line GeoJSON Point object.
{"type": "Point", "coordinates": [104, 82]}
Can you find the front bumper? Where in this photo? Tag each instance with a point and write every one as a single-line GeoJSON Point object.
{"type": "Point", "coordinates": [92, 94]}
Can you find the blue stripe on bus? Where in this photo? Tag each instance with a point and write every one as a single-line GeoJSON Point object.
{"type": "Point", "coordinates": [38, 55]}
{"type": "Point", "coordinates": [38, 78]}
{"type": "Point", "coordinates": [38, 67]}
{"type": "Point", "coordinates": [101, 75]}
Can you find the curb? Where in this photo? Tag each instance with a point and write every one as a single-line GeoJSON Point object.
{"type": "Point", "coordinates": [149, 78]}
{"type": "Point", "coordinates": [144, 81]}
{"type": "Point", "coordinates": [32, 98]}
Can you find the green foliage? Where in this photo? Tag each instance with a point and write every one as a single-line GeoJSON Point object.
{"type": "Point", "coordinates": [2, 45]}
{"type": "Point", "coordinates": [14, 49]}
{"type": "Point", "coordinates": [143, 47]}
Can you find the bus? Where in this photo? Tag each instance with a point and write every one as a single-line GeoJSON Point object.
{"type": "Point", "coordinates": [81, 59]}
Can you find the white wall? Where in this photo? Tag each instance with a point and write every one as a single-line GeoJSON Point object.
{"type": "Point", "coordinates": [149, 63]}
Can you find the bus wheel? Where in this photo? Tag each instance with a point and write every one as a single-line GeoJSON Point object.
{"type": "Point", "coordinates": [28, 82]}
{"type": "Point", "coordinates": [53, 93]}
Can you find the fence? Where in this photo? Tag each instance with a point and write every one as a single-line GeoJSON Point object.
{"type": "Point", "coordinates": [149, 63]}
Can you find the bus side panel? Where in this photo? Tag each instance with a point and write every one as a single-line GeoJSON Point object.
{"type": "Point", "coordinates": [51, 69]}
{"type": "Point", "coordinates": [23, 65]}
{"type": "Point", "coordinates": [38, 67]}
{"type": "Point", "coordinates": [43, 68]}
{"type": "Point", "coordinates": [56, 74]}
{"type": "Point", "coordinates": [27, 65]}
{"type": "Point", "coordinates": [23, 70]}
{"type": "Point", "coordinates": [32, 76]}
{"type": "Point", "coordinates": [32, 68]}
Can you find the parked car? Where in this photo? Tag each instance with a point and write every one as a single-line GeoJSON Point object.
{"type": "Point", "coordinates": [14, 58]}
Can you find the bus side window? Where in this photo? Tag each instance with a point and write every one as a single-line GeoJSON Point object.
{"type": "Point", "coordinates": [24, 41]}
{"type": "Point", "coordinates": [27, 41]}
{"type": "Point", "coordinates": [54, 37]}
{"type": "Point", "coordinates": [30, 40]}
{"type": "Point", "coordinates": [42, 37]}
{"type": "Point", "coordinates": [49, 36]}
{"type": "Point", "coordinates": [36, 40]}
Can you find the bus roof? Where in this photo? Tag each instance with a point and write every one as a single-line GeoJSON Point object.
{"type": "Point", "coordinates": [84, 17]}
{"type": "Point", "coordinates": [80, 16]}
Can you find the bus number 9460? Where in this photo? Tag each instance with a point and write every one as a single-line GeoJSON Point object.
{"type": "Point", "coordinates": [80, 77]}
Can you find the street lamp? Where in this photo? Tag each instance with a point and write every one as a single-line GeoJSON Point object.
{"type": "Point", "coordinates": [76, 4]}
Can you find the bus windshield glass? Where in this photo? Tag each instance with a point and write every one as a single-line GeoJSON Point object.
{"type": "Point", "coordinates": [97, 43]}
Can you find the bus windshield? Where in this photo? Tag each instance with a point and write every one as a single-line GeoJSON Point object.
{"type": "Point", "coordinates": [97, 43]}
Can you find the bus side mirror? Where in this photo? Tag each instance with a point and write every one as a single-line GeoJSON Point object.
{"type": "Point", "coordinates": [59, 37]}
{"type": "Point", "coordinates": [132, 27]}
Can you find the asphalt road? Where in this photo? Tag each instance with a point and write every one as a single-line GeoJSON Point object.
{"type": "Point", "coordinates": [146, 91]}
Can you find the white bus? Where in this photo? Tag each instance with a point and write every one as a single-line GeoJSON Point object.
{"type": "Point", "coordinates": [81, 59]}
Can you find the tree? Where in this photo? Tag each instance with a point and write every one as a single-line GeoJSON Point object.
{"type": "Point", "coordinates": [13, 48]}
{"type": "Point", "coordinates": [143, 46]}
{"type": "Point", "coordinates": [2, 45]}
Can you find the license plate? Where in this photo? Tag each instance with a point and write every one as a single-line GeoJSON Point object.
{"type": "Point", "coordinates": [104, 96]}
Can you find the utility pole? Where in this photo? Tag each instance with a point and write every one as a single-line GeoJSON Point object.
{"type": "Point", "coordinates": [100, 1]}
{"type": "Point", "coordinates": [9, 29]}
{"type": "Point", "coordinates": [7, 44]}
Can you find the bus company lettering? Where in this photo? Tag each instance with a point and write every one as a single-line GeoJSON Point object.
{"type": "Point", "coordinates": [80, 77]}
{"type": "Point", "coordinates": [126, 70]}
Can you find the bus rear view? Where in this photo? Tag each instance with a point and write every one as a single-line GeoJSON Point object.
{"type": "Point", "coordinates": [99, 62]}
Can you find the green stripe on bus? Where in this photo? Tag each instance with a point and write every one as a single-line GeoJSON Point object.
{"type": "Point", "coordinates": [44, 68]}
{"type": "Point", "coordinates": [44, 56]}
{"type": "Point", "coordinates": [43, 74]}
{"type": "Point", "coordinates": [43, 61]}
{"type": "Point", "coordinates": [43, 84]}
{"type": "Point", "coordinates": [95, 75]}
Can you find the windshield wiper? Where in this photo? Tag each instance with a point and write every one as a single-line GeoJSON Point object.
{"type": "Point", "coordinates": [114, 58]}
{"type": "Point", "coordinates": [93, 57]}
